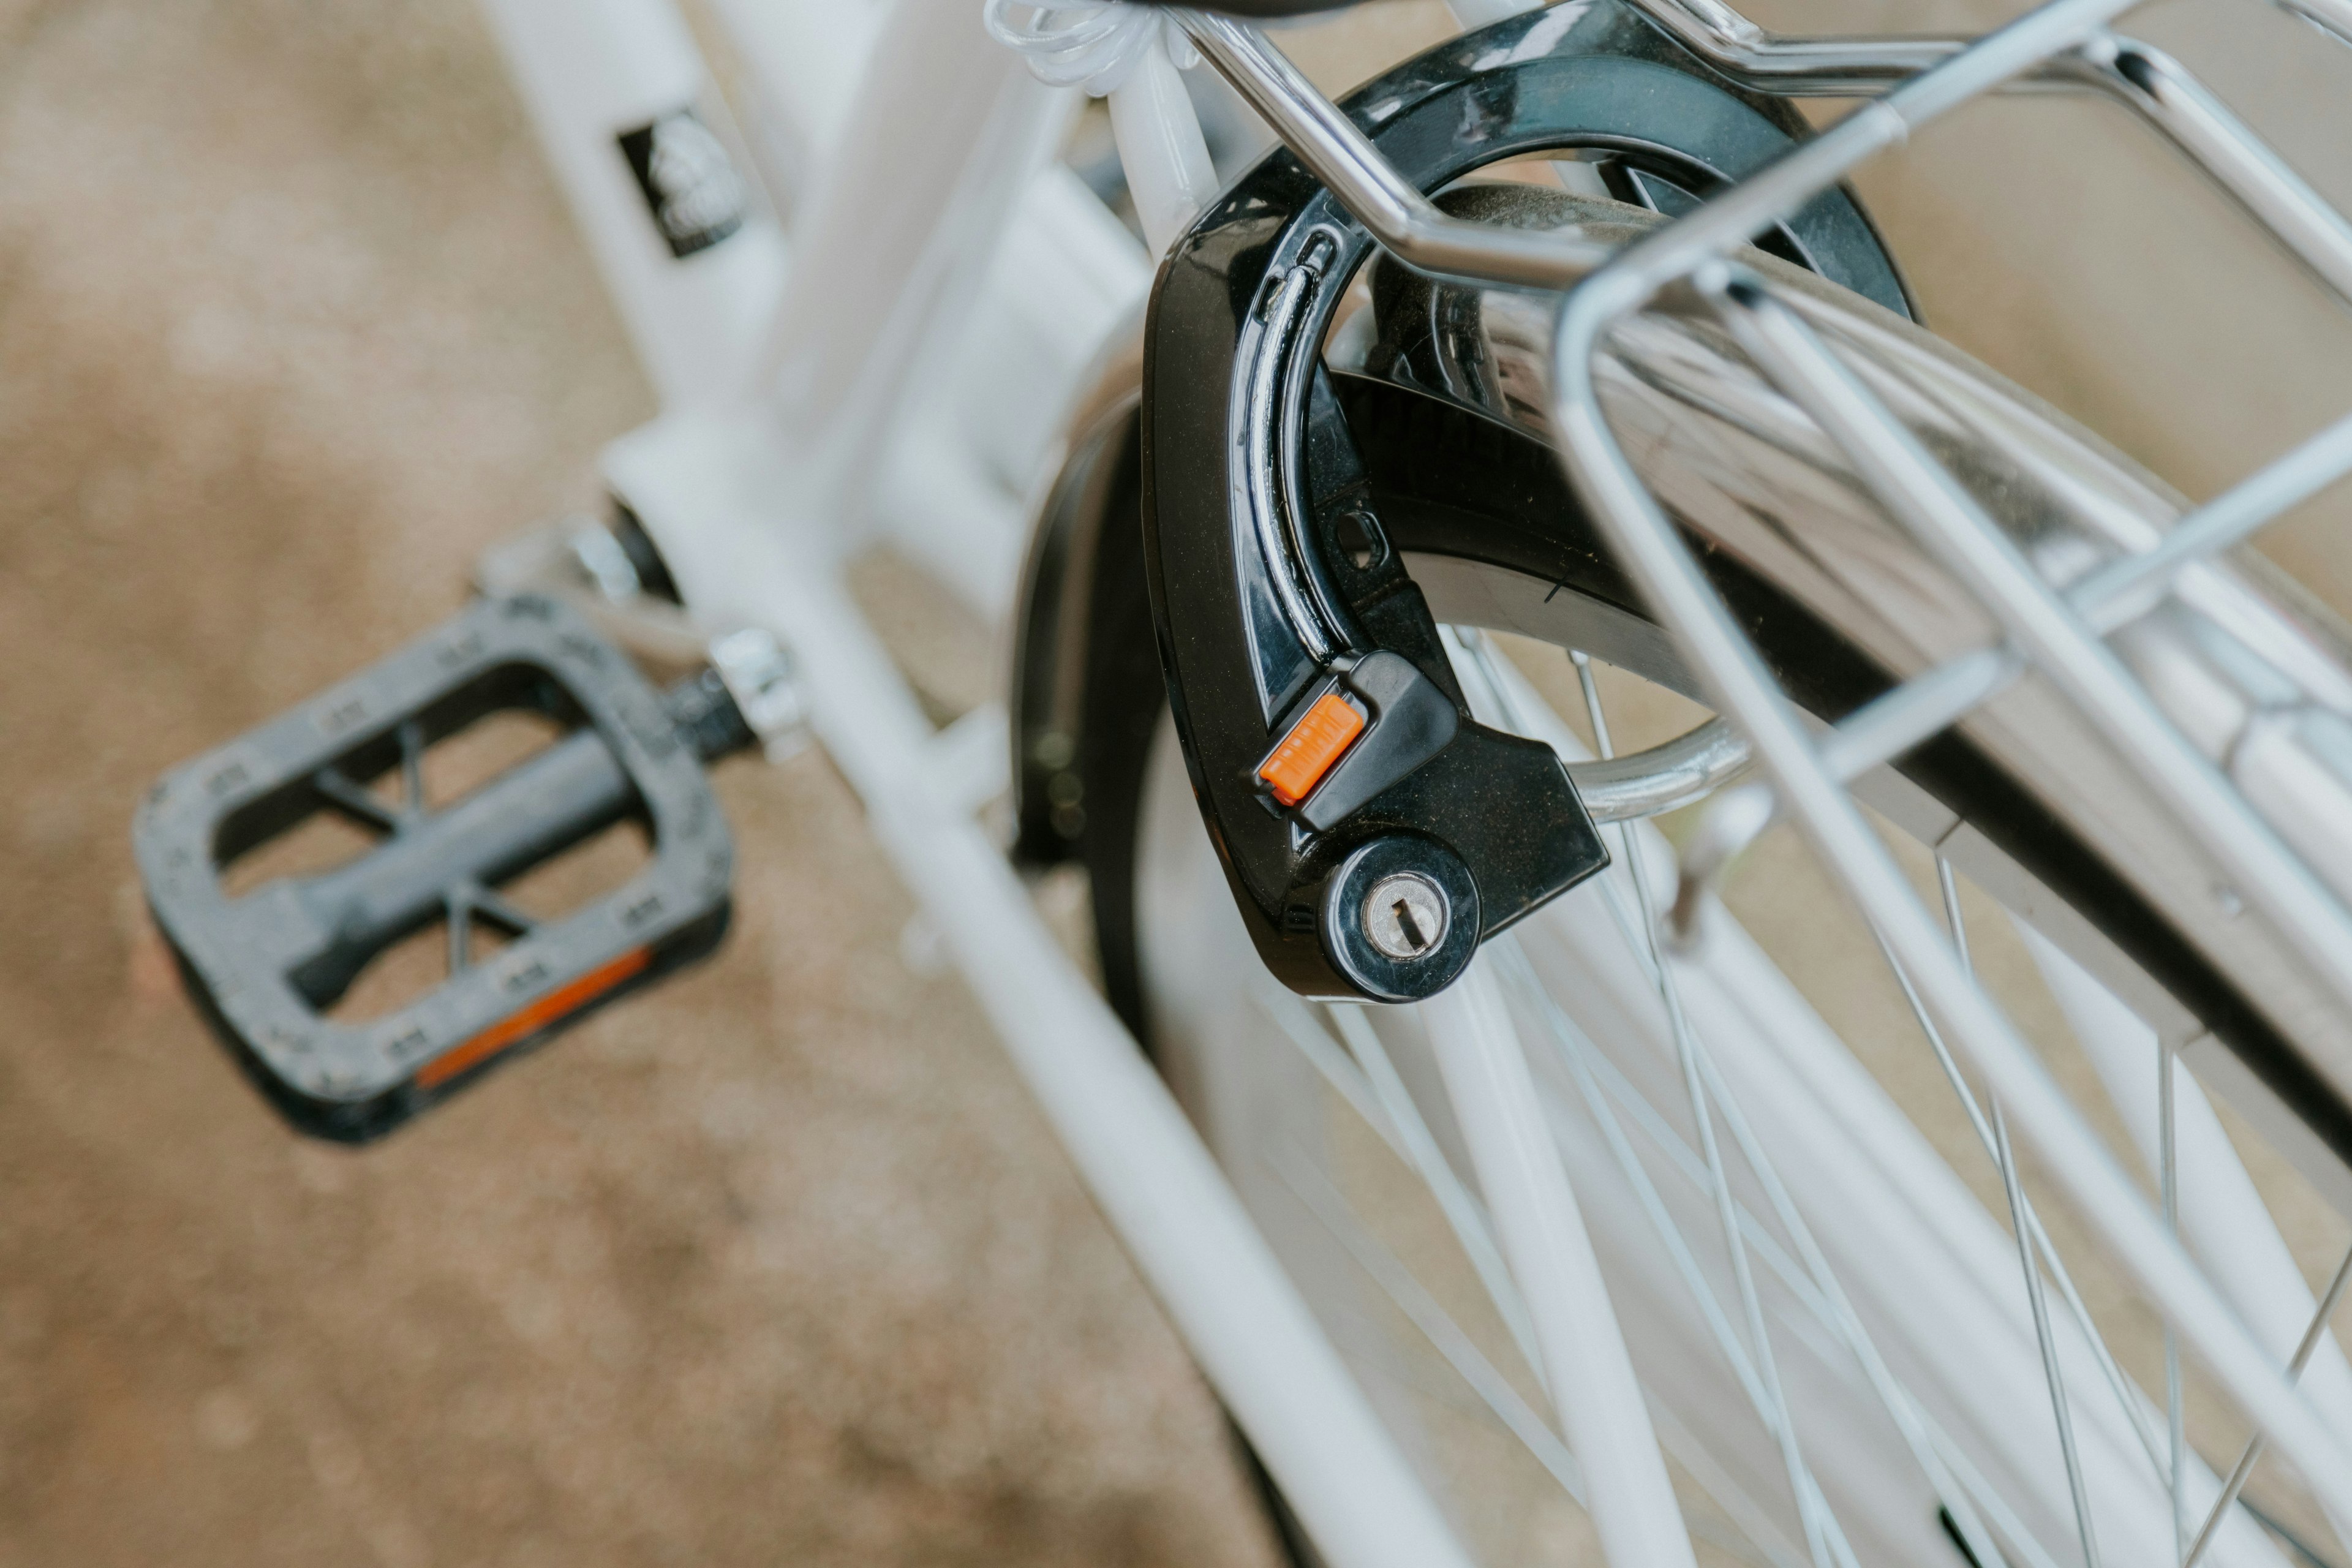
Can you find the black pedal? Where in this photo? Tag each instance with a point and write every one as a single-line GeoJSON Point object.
{"type": "Point", "coordinates": [268, 964]}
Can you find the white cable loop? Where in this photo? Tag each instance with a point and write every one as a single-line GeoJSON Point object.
{"type": "Point", "coordinates": [1090, 44]}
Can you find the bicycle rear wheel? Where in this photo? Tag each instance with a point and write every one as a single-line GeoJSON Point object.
{"type": "Point", "coordinates": [1902, 1343]}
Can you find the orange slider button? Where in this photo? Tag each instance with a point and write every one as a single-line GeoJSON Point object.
{"type": "Point", "coordinates": [1321, 736]}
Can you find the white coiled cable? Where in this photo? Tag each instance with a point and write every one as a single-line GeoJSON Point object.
{"type": "Point", "coordinates": [1094, 44]}
{"type": "Point", "coordinates": [1129, 55]}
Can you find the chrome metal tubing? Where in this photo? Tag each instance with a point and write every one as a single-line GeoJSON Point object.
{"type": "Point", "coordinates": [1822, 68]}
{"type": "Point", "coordinates": [2263, 688]}
{"type": "Point", "coordinates": [2137, 75]}
{"type": "Point", "coordinates": [1267, 438]}
{"type": "Point", "coordinates": [1664, 778]}
{"type": "Point", "coordinates": [1332, 147]}
{"type": "Point", "coordinates": [1924, 706]}
{"type": "Point", "coordinates": [1879, 732]}
{"type": "Point", "coordinates": [1403, 220]}
{"type": "Point", "coordinates": [1726, 222]}
{"type": "Point", "coordinates": [1714, 645]}
{"type": "Point", "coordinates": [1948, 522]}
{"type": "Point", "coordinates": [1296, 356]}
{"type": "Point", "coordinates": [2333, 18]}
{"type": "Point", "coordinates": [1730, 825]}
{"type": "Point", "coordinates": [2127, 587]}
{"type": "Point", "coordinates": [2204, 130]}
{"type": "Point", "coordinates": [1995, 577]}
{"type": "Point", "coordinates": [2062, 44]}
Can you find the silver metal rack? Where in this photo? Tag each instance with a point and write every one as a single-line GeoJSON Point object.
{"type": "Point", "coordinates": [1693, 268]}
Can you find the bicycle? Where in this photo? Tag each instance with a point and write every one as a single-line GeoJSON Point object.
{"type": "Point", "coordinates": [1310, 509]}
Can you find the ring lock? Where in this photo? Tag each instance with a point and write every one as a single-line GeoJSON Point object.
{"type": "Point", "coordinates": [1276, 544]}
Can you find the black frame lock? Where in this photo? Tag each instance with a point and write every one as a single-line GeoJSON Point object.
{"type": "Point", "coordinates": [1370, 857]}
{"type": "Point", "coordinates": [1373, 832]}
{"type": "Point", "coordinates": [1361, 867]}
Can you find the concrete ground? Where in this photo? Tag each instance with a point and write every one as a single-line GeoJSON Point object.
{"type": "Point", "coordinates": [774, 1265]}
{"type": "Point", "coordinates": [777, 1263]}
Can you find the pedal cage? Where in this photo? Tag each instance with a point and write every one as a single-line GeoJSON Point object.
{"type": "Point", "coordinates": [266, 966]}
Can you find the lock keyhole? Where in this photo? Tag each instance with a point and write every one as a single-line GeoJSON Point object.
{"type": "Point", "coordinates": [1405, 916]}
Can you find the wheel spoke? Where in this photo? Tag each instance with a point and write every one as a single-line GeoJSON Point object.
{"type": "Point", "coordinates": [1370, 1083]}
{"type": "Point", "coordinates": [2036, 1297]}
{"type": "Point", "coordinates": [1463, 1211]}
{"type": "Point", "coordinates": [1406, 1292]}
{"type": "Point", "coordinates": [1542, 1229]}
{"type": "Point", "coordinates": [1932, 1450]}
{"type": "Point", "coordinates": [1381, 1099]}
{"type": "Point", "coordinates": [2128, 1398]}
{"type": "Point", "coordinates": [1286, 1012]}
{"type": "Point", "coordinates": [1445, 1336]}
{"type": "Point", "coordinates": [1811, 1508]}
{"type": "Point", "coordinates": [1576, 1052]}
{"type": "Point", "coordinates": [2253, 1450]}
{"type": "Point", "coordinates": [2176, 1431]}
{"type": "Point", "coordinates": [1972, 1374]}
{"type": "Point", "coordinates": [1957, 1484]}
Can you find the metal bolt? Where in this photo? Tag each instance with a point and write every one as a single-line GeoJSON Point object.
{"type": "Point", "coordinates": [1405, 915]}
{"type": "Point", "coordinates": [600, 555]}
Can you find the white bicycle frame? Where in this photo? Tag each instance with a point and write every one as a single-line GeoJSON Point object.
{"type": "Point", "coordinates": [883, 351]}
{"type": "Point", "coordinates": [815, 395]}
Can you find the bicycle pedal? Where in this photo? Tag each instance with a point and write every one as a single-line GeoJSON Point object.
{"type": "Point", "coordinates": [268, 963]}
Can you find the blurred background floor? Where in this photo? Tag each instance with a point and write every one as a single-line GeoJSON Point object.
{"type": "Point", "coordinates": [776, 1264]}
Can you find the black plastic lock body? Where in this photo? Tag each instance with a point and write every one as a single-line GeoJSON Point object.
{"type": "Point", "coordinates": [1274, 522]}
{"type": "Point", "coordinates": [1410, 721]}
{"type": "Point", "coordinates": [264, 967]}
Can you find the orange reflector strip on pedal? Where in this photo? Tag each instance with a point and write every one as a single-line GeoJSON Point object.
{"type": "Point", "coordinates": [555, 1005]}
{"type": "Point", "coordinates": [1314, 743]}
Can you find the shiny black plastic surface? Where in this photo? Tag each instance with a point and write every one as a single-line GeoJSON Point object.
{"type": "Point", "coordinates": [1593, 77]}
